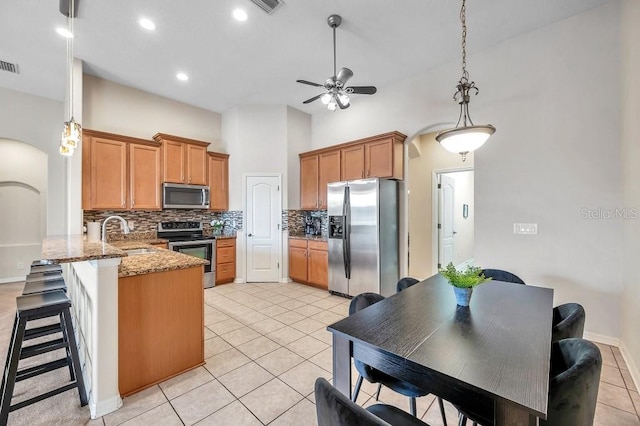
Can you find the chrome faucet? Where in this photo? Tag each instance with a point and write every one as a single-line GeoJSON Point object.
{"type": "Point", "coordinates": [104, 226]}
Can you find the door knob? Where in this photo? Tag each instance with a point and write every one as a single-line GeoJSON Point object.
{"type": "Point", "coordinates": [249, 235]}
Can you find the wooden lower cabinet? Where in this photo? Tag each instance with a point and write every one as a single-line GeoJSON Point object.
{"type": "Point", "coordinates": [225, 260]}
{"type": "Point", "coordinates": [160, 245]}
{"type": "Point", "coordinates": [309, 262]}
{"type": "Point", "coordinates": [160, 327]}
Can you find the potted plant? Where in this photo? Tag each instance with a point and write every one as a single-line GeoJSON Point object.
{"type": "Point", "coordinates": [463, 281]}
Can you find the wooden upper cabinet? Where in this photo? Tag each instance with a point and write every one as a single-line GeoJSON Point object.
{"type": "Point", "coordinates": [174, 162]}
{"type": "Point", "coordinates": [309, 182]}
{"type": "Point", "coordinates": [218, 181]}
{"type": "Point", "coordinates": [196, 164]}
{"type": "Point", "coordinates": [108, 174]}
{"type": "Point", "coordinates": [144, 177]}
{"type": "Point", "coordinates": [328, 171]}
{"type": "Point", "coordinates": [353, 162]}
{"type": "Point", "coordinates": [384, 158]}
{"type": "Point", "coordinates": [184, 160]}
{"type": "Point", "coordinates": [119, 172]}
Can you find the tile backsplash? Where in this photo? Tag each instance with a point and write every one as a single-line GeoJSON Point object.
{"type": "Point", "coordinates": [296, 221]}
{"type": "Point", "coordinates": [147, 220]}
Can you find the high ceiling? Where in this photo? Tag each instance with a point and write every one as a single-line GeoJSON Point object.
{"type": "Point", "coordinates": [258, 61]}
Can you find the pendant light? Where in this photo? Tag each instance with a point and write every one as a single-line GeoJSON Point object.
{"type": "Point", "coordinates": [72, 131]}
{"type": "Point", "coordinates": [466, 136]}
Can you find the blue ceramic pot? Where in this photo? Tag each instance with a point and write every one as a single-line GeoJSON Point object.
{"type": "Point", "coordinates": [463, 295]}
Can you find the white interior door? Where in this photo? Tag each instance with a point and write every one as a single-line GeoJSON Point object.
{"type": "Point", "coordinates": [263, 228]}
{"type": "Point", "coordinates": [446, 230]}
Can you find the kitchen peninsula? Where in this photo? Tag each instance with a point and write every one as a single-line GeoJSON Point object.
{"type": "Point", "coordinates": [139, 313]}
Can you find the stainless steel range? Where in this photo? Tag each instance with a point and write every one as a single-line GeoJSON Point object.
{"type": "Point", "coordinates": [188, 238]}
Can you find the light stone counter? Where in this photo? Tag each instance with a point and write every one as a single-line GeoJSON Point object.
{"type": "Point", "coordinates": [77, 248]}
{"type": "Point", "coordinates": [160, 260]}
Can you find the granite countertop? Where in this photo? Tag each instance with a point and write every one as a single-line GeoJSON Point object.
{"type": "Point", "coordinates": [77, 248]}
{"type": "Point", "coordinates": [159, 260]}
{"type": "Point", "coordinates": [308, 237]}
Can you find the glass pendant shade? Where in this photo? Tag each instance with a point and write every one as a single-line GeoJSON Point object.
{"type": "Point", "coordinates": [332, 105]}
{"type": "Point", "coordinates": [71, 134]}
{"type": "Point", "coordinates": [326, 98]}
{"type": "Point", "coordinates": [66, 151]}
{"type": "Point", "coordinates": [465, 139]}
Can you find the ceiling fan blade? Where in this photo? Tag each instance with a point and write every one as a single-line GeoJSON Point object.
{"type": "Point", "coordinates": [309, 83]}
{"type": "Point", "coordinates": [361, 90]}
{"type": "Point", "coordinates": [344, 75]}
{"type": "Point", "coordinates": [340, 104]}
{"type": "Point", "coordinates": [313, 99]}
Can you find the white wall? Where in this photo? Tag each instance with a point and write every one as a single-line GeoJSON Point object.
{"type": "Point", "coordinates": [114, 108]}
{"type": "Point", "coordinates": [554, 97]}
{"type": "Point", "coordinates": [298, 140]}
{"type": "Point", "coordinates": [631, 157]}
{"type": "Point", "coordinates": [38, 122]}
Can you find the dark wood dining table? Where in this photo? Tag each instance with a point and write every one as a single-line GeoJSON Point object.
{"type": "Point", "coordinates": [491, 359]}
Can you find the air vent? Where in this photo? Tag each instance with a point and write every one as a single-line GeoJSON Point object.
{"type": "Point", "coordinates": [8, 66]}
{"type": "Point", "coordinates": [267, 5]}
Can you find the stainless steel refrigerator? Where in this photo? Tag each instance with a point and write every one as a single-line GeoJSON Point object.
{"type": "Point", "coordinates": [363, 236]}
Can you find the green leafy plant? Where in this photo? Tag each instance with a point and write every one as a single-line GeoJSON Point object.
{"type": "Point", "coordinates": [469, 278]}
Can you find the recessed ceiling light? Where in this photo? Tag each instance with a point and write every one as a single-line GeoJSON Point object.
{"type": "Point", "coordinates": [182, 76]}
{"type": "Point", "coordinates": [64, 32]}
{"type": "Point", "coordinates": [240, 15]}
{"type": "Point", "coordinates": [147, 24]}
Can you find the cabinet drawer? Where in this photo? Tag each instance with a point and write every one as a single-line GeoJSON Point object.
{"type": "Point", "coordinates": [225, 254]}
{"type": "Point", "coordinates": [295, 242]}
{"type": "Point", "coordinates": [226, 271]}
{"type": "Point", "coordinates": [318, 245]}
{"type": "Point", "coordinates": [226, 242]}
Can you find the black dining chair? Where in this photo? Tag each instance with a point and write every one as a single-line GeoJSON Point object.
{"type": "Point", "coordinates": [573, 385]}
{"type": "Point", "coordinates": [500, 275]}
{"type": "Point", "coordinates": [335, 409]}
{"type": "Point", "coordinates": [373, 375]}
{"type": "Point", "coordinates": [403, 284]}
{"type": "Point", "coordinates": [568, 321]}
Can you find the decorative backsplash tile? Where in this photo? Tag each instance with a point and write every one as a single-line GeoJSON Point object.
{"type": "Point", "coordinates": [147, 220]}
{"type": "Point", "coordinates": [296, 220]}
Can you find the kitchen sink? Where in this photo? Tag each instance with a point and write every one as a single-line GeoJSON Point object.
{"type": "Point", "coordinates": [135, 252]}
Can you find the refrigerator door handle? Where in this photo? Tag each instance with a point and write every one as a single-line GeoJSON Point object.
{"type": "Point", "coordinates": [346, 211]}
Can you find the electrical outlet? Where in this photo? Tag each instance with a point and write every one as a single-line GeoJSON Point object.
{"type": "Point", "coordinates": [19, 265]}
{"type": "Point", "coordinates": [525, 228]}
{"type": "Point", "coordinates": [131, 224]}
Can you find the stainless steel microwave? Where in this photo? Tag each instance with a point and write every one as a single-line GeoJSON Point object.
{"type": "Point", "coordinates": [181, 196]}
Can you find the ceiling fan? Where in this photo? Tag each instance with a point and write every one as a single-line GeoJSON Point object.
{"type": "Point", "coordinates": [337, 95]}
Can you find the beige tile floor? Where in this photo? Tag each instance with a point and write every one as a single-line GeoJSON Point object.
{"type": "Point", "coordinates": [265, 344]}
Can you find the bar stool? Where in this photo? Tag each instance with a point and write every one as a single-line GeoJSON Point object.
{"type": "Point", "coordinates": [42, 276]}
{"type": "Point", "coordinates": [29, 308]}
{"type": "Point", "coordinates": [45, 267]}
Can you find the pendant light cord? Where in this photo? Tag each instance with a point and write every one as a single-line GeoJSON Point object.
{"type": "Point", "coordinates": [463, 19]}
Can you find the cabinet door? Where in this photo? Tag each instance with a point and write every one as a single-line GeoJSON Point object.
{"type": "Point", "coordinates": [353, 162]}
{"type": "Point", "coordinates": [173, 162]}
{"type": "Point", "coordinates": [379, 158]}
{"type": "Point", "coordinates": [309, 182]}
{"type": "Point", "coordinates": [218, 171]}
{"type": "Point", "coordinates": [86, 173]}
{"type": "Point", "coordinates": [108, 174]}
{"type": "Point", "coordinates": [329, 171]}
{"type": "Point", "coordinates": [318, 268]}
{"type": "Point", "coordinates": [298, 264]}
{"type": "Point", "coordinates": [196, 165]}
{"type": "Point", "coordinates": [144, 177]}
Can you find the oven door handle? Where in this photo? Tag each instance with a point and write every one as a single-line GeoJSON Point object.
{"type": "Point", "coordinates": [190, 243]}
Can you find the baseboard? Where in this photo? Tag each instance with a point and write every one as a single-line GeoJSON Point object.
{"type": "Point", "coordinates": [285, 280]}
{"type": "Point", "coordinates": [601, 338]}
{"type": "Point", "coordinates": [104, 407]}
{"type": "Point", "coordinates": [12, 279]}
{"type": "Point", "coordinates": [631, 365]}
{"type": "Point", "coordinates": [239, 281]}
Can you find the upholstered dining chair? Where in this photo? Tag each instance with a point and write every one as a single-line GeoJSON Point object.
{"type": "Point", "coordinates": [568, 321]}
{"type": "Point", "coordinates": [403, 284]}
{"type": "Point", "coordinates": [500, 275]}
{"type": "Point", "coordinates": [373, 375]}
{"type": "Point", "coordinates": [573, 385]}
{"type": "Point", "coordinates": [335, 409]}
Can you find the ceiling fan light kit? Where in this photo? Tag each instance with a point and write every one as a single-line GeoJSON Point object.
{"type": "Point", "coordinates": [465, 137]}
{"type": "Point", "coordinates": [337, 95]}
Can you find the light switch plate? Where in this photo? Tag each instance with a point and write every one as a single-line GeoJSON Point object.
{"type": "Point", "coordinates": [525, 228]}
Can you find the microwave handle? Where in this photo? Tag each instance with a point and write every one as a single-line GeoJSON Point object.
{"type": "Point", "coordinates": [205, 197]}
